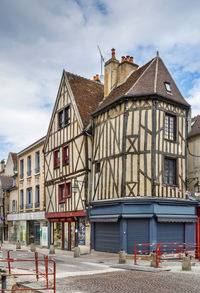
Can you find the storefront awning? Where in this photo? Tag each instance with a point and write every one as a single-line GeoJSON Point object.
{"type": "Point", "coordinates": [104, 219]}
{"type": "Point", "coordinates": [177, 218]}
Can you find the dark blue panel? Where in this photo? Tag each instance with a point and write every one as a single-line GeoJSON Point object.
{"type": "Point", "coordinates": [171, 233]}
{"type": "Point", "coordinates": [107, 237]}
{"type": "Point", "coordinates": [137, 233]}
{"type": "Point", "coordinates": [190, 230]}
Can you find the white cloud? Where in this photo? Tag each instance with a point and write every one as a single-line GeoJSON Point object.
{"type": "Point", "coordinates": [39, 38]}
{"type": "Point", "coordinates": [194, 98]}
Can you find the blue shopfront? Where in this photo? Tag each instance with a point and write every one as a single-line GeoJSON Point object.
{"type": "Point", "coordinates": [120, 224]}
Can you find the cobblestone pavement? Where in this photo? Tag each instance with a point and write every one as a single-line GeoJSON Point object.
{"type": "Point", "coordinates": [131, 282]}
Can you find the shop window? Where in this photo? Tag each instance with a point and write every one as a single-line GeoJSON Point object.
{"type": "Point", "coordinates": [66, 155]}
{"type": "Point", "coordinates": [64, 191]}
{"type": "Point", "coordinates": [170, 127]}
{"type": "Point", "coordinates": [56, 159]}
{"type": "Point", "coordinates": [170, 171]}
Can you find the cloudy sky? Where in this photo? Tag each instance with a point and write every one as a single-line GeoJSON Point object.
{"type": "Point", "coordinates": [40, 38]}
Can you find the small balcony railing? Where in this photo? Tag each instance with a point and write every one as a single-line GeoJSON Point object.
{"type": "Point", "coordinates": [21, 207]}
{"type": "Point", "coordinates": [21, 175]}
{"type": "Point", "coordinates": [29, 173]}
{"type": "Point", "coordinates": [37, 170]}
{"type": "Point", "coordinates": [29, 206]}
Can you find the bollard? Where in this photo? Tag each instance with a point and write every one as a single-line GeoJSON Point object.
{"type": "Point", "coordinates": [18, 245]}
{"type": "Point", "coordinates": [3, 279]}
{"type": "Point", "coordinates": [154, 262]}
{"type": "Point", "coordinates": [77, 252]}
{"type": "Point", "coordinates": [33, 247]}
{"type": "Point", "coordinates": [52, 249]}
{"type": "Point", "coordinates": [186, 264]}
{"type": "Point", "coordinates": [122, 257]}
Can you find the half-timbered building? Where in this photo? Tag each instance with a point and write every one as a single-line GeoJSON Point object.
{"type": "Point", "coordinates": [139, 163]}
{"type": "Point", "coordinates": [67, 161]}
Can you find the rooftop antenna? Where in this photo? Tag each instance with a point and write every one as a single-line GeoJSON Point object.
{"type": "Point", "coordinates": [102, 62]}
{"type": "Point", "coordinates": [157, 53]}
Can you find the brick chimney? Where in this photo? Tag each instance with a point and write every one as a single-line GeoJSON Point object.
{"type": "Point", "coordinates": [2, 166]}
{"type": "Point", "coordinates": [110, 74]}
{"type": "Point", "coordinates": [125, 68]}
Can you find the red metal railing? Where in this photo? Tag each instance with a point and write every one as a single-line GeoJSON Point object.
{"type": "Point", "coordinates": [37, 266]}
{"type": "Point", "coordinates": [167, 251]}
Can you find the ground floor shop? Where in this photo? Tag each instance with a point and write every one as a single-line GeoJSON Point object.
{"type": "Point", "coordinates": [68, 230]}
{"type": "Point", "coordinates": [28, 228]}
{"type": "Point", "coordinates": [125, 223]}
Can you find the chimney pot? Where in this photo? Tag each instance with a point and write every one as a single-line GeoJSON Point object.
{"type": "Point", "coordinates": [123, 59]}
{"type": "Point", "coordinates": [131, 59]}
{"type": "Point", "coordinates": [113, 53]}
{"type": "Point", "coordinates": [97, 77]}
{"type": "Point", "coordinates": [94, 78]}
{"type": "Point", "coordinates": [128, 58]}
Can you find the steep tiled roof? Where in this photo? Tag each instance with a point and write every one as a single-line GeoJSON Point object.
{"type": "Point", "coordinates": [6, 181]}
{"type": "Point", "coordinates": [87, 93]}
{"type": "Point", "coordinates": [148, 79]}
{"type": "Point", "coordinates": [195, 127]}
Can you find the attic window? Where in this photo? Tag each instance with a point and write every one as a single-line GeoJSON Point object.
{"type": "Point", "coordinates": [168, 87]}
{"type": "Point", "coordinates": [193, 122]}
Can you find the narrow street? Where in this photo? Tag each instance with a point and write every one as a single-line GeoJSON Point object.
{"type": "Point", "coordinates": [131, 282]}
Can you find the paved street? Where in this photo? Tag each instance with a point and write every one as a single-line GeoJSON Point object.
{"type": "Point", "coordinates": [131, 282]}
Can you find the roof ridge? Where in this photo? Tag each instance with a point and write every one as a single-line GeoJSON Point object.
{"type": "Point", "coordinates": [196, 117]}
{"type": "Point", "coordinates": [76, 75]}
{"type": "Point", "coordinates": [150, 63]}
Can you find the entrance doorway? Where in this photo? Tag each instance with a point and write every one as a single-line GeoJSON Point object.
{"type": "Point", "coordinates": [64, 235]}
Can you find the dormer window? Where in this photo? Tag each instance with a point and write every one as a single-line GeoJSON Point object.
{"type": "Point", "coordinates": [193, 122]}
{"type": "Point", "coordinates": [168, 87]}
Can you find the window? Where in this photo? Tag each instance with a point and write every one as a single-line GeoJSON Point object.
{"type": "Point", "coordinates": [29, 166]}
{"type": "Point", "coordinates": [67, 115]}
{"type": "Point", "coordinates": [66, 155]}
{"type": "Point", "coordinates": [37, 196]}
{"type": "Point", "coordinates": [21, 169]}
{"type": "Point", "coordinates": [64, 117]}
{"type": "Point", "coordinates": [170, 171]}
{"type": "Point", "coordinates": [13, 206]}
{"type": "Point", "coordinates": [37, 162]}
{"type": "Point", "coordinates": [56, 159]}
{"type": "Point", "coordinates": [14, 181]}
{"type": "Point", "coordinates": [29, 203]}
{"type": "Point", "coordinates": [21, 199]}
{"type": "Point", "coordinates": [170, 127]}
{"type": "Point", "coordinates": [60, 119]}
{"type": "Point", "coordinates": [168, 87]}
{"type": "Point", "coordinates": [97, 167]}
{"type": "Point", "coordinates": [64, 191]}
{"type": "Point", "coordinates": [193, 122]}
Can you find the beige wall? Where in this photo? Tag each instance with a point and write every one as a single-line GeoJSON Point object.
{"type": "Point", "coordinates": [194, 163]}
{"type": "Point", "coordinates": [33, 180]}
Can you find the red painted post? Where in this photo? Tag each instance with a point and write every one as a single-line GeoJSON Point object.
{"type": "Point", "coordinates": [54, 276]}
{"type": "Point", "coordinates": [46, 269]}
{"type": "Point", "coordinates": [135, 256]}
{"type": "Point", "coordinates": [8, 258]}
{"type": "Point", "coordinates": [36, 265]}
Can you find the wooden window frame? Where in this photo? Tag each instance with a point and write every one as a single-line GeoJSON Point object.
{"type": "Point", "coordinates": [65, 159]}
{"type": "Point", "coordinates": [66, 116]}
{"type": "Point", "coordinates": [66, 187]}
{"type": "Point", "coordinates": [97, 167]}
{"type": "Point", "coordinates": [174, 175]}
{"type": "Point", "coordinates": [167, 137]}
{"type": "Point", "coordinates": [56, 159]}
{"type": "Point", "coordinates": [168, 87]}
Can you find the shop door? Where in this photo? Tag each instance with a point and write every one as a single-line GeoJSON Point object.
{"type": "Point", "coordinates": [171, 232]}
{"type": "Point", "coordinates": [69, 235]}
{"type": "Point", "coordinates": [137, 233]}
{"type": "Point", "coordinates": [107, 237]}
{"type": "Point", "coordinates": [37, 232]}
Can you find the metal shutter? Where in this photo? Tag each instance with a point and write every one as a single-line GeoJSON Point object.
{"type": "Point", "coordinates": [107, 237]}
{"type": "Point", "coordinates": [138, 232]}
{"type": "Point", "coordinates": [171, 233]}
